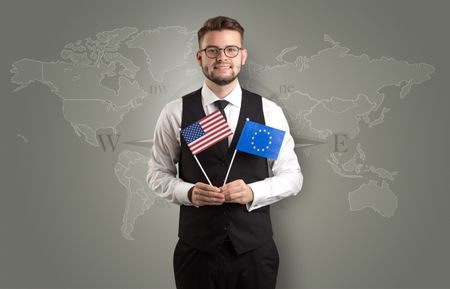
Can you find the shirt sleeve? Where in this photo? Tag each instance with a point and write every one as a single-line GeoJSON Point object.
{"type": "Point", "coordinates": [162, 173]}
{"type": "Point", "coordinates": [285, 178]}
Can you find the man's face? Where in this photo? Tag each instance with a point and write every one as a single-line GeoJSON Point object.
{"type": "Point", "coordinates": [221, 70]}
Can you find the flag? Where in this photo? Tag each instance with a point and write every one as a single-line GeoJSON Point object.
{"type": "Point", "coordinates": [206, 132]}
{"type": "Point", "coordinates": [260, 140]}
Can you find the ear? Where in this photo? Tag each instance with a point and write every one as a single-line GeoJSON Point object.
{"type": "Point", "coordinates": [199, 56]}
{"type": "Point", "coordinates": [244, 55]}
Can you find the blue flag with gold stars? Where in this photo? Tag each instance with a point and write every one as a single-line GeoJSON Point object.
{"type": "Point", "coordinates": [260, 140]}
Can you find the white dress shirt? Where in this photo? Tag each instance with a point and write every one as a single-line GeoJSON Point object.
{"type": "Point", "coordinates": [285, 177]}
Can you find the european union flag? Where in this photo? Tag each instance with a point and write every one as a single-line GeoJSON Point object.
{"type": "Point", "coordinates": [260, 140]}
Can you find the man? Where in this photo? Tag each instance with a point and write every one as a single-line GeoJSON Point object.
{"type": "Point", "coordinates": [225, 232]}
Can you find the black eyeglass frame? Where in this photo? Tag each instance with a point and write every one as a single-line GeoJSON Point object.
{"type": "Point", "coordinates": [217, 49]}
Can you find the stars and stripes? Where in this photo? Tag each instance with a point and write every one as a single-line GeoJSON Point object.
{"type": "Point", "coordinates": [206, 132]}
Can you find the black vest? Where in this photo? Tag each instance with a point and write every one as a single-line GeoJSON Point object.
{"type": "Point", "coordinates": [206, 227]}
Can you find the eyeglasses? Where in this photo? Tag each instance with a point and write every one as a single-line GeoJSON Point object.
{"type": "Point", "coordinates": [214, 51]}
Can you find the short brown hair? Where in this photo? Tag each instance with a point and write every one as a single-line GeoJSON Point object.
{"type": "Point", "coordinates": [220, 23]}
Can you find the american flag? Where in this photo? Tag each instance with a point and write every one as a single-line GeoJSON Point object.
{"type": "Point", "coordinates": [206, 132]}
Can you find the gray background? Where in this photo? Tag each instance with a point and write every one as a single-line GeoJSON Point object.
{"type": "Point", "coordinates": [61, 207]}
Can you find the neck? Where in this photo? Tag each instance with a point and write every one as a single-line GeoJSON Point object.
{"type": "Point", "coordinates": [221, 91]}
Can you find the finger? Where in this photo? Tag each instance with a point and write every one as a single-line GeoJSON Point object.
{"type": "Point", "coordinates": [205, 200]}
{"type": "Point", "coordinates": [242, 197]}
{"type": "Point", "coordinates": [211, 203]}
{"type": "Point", "coordinates": [229, 188]}
{"type": "Point", "coordinates": [210, 196]}
{"type": "Point", "coordinates": [207, 187]}
{"type": "Point", "coordinates": [233, 190]}
{"type": "Point", "coordinates": [235, 196]}
{"type": "Point", "coordinates": [238, 184]}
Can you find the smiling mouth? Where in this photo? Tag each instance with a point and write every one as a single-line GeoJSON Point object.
{"type": "Point", "coordinates": [222, 66]}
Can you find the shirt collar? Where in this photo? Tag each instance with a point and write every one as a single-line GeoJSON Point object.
{"type": "Point", "coordinates": [234, 97]}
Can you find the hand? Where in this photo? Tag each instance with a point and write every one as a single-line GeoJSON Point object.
{"type": "Point", "coordinates": [237, 192]}
{"type": "Point", "coordinates": [204, 194]}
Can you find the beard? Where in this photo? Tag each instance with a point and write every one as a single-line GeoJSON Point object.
{"type": "Point", "coordinates": [220, 79]}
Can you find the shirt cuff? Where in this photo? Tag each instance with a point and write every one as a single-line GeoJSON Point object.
{"type": "Point", "coordinates": [181, 193]}
{"type": "Point", "coordinates": [258, 189]}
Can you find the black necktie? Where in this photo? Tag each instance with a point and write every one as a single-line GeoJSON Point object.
{"type": "Point", "coordinates": [221, 104]}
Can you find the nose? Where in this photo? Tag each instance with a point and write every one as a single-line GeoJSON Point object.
{"type": "Point", "coordinates": [221, 55]}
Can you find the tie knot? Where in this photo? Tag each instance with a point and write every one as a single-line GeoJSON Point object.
{"type": "Point", "coordinates": [221, 104]}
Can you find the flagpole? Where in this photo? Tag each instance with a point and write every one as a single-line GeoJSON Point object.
{"type": "Point", "coordinates": [202, 170]}
{"type": "Point", "coordinates": [229, 168]}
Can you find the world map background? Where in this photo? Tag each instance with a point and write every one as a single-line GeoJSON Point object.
{"type": "Point", "coordinates": [82, 211]}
